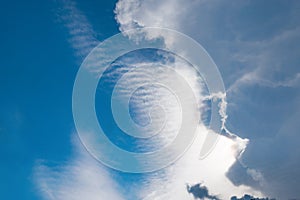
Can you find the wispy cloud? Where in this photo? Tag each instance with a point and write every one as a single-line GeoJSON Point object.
{"type": "Point", "coordinates": [81, 177]}
{"type": "Point", "coordinates": [154, 104]}
{"type": "Point", "coordinates": [82, 36]}
{"type": "Point", "coordinates": [272, 69]}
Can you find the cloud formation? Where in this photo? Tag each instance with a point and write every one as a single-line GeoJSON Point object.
{"type": "Point", "coordinates": [248, 197]}
{"type": "Point", "coordinates": [82, 36]}
{"type": "Point", "coordinates": [200, 192]}
{"type": "Point", "coordinates": [258, 56]}
{"type": "Point", "coordinates": [82, 177]}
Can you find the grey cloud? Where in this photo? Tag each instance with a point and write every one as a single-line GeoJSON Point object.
{"type": "Point", "coordinates": [249, 197]}
{"type": "Point", "coordinates": [199, 191]}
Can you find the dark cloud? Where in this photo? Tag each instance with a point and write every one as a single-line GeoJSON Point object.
{"type": "Point", "coordinates": [199, 191]}
{"type": "Point", "coordinates": [249, 197]}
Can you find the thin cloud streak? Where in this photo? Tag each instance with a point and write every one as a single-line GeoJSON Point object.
{"type": "Point", "coordinates": [82, 36]}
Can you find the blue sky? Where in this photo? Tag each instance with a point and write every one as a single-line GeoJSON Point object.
{"type": "Point", "coordinates": [37, 76]}
{"type": "Point", "coordinates": [255, 44]}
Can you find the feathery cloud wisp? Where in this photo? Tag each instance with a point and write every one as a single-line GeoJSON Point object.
{"type": "Point", "coordinates": [82, 177]}
{"type": "Point", "coordinates": [82, 36]}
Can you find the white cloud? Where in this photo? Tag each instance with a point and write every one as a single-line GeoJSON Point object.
{"type": "Point", "coordinates": [211, 171]}
{"type": "Point", "coordinates": [134, 13]}
{"type": "Point", "coordinates": [145, 79]}
{"type": "Point", "coordinates": [82, 177]}
{"type": "Point", "coordinates": [82, 36]}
